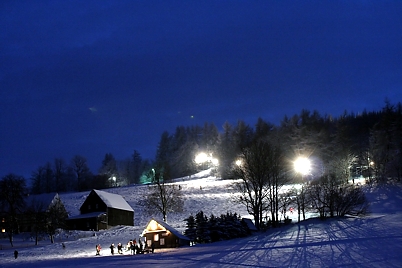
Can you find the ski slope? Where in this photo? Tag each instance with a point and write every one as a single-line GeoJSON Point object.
{"type": "Point", "coordinates": [371, 241]}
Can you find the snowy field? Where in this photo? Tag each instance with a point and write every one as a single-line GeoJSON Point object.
{"type": "Point", "coordinates": [371, 241]}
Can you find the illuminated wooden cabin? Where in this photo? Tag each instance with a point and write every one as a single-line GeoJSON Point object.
{"type": "Point", "coordinates": [163, 235]}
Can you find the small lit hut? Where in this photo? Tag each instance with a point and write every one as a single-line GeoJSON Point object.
{"type": "Point", "coordinates": [163, 235]}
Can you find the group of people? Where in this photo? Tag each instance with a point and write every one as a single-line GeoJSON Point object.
{"type": "Point", "coordinates": [119, 248]}
{"type": "Point", "coordinates": [132, 246]}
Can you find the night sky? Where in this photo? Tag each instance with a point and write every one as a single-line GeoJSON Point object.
{"type": "Point", "coordinates": [95, 77]}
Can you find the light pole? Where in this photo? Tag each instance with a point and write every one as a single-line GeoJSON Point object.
{"type": "Point", "coordinates": [153, 175]}
{"type": "Point", "coordinates": [302, 166]}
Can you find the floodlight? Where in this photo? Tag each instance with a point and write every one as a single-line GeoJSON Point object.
{"type": "Point", "coordinates": [302, 165]}
{"type": "Point", "coordinates": [201, 158]}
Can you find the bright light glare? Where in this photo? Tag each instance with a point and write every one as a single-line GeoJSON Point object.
{"type": "Point", "coordinates": [201, 158]}
{"type": "Point", "coordinates": [302, 165]}
{"type": "Point", "coordinates": [204, 158]}
{"type": "Point", "coordinates": [238, 162]}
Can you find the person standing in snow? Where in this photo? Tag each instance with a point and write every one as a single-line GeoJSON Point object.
{"type": "Point", "coordinates": [140, 246]}
{"type": "Point", "coordinates": [15, 253]}
{"type": "Point", "coordinates": [134, 246]}
{"type": "Point", "coordinates": [98, 249]}
{"type": "Point", "coordinates": [112, 249]}
{"type": "Point", "coordinates": [119, 248]}
{"type": "Point", "coordinates": [131, 247]}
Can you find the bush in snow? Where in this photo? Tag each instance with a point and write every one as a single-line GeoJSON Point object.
{"type": "Point", "coordinates": [201, 229]}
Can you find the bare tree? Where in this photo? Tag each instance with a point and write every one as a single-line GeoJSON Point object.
{"type": "Point", "coordinates": [60, 175]}
{"type": "Point", "coordinates": [163, 197]}
{"type": "Point", "coordinates": [351, 200]}
{"type": "Point", "coordinates": [330, 196]}
{"type": "Point", "coordinates": [38, 180]}
{"type": "Point", "coordinates": [262, 175]}
{"type": "Point", "coordinates": [109, 168]}
{"type": "Point", "coordinates": [253, 186]}
{"type": "Point", "coordinates": [81, 171]}
{"type": "Point", "coordinates": [35, 215]}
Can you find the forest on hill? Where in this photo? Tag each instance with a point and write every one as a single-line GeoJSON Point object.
{"type": "Point", "coordinates": [367, 144]}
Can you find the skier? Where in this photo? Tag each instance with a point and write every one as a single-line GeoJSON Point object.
{"type": "Point", "coordinates": [98, 249]}
{"type": "Point", "coordinates": [112, 249]}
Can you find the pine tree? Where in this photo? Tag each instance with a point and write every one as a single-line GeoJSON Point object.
{"type": "Point", "coordinates": [190, 231]}
{"type": "Point", "coordinates": [202, 231]}
{"type": "Point", "coordinates": [214, 228]}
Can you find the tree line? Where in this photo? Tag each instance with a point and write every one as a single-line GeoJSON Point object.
{"type": "Point", "coordinates": [371, 141]}
{"type": "Point", "coordinates": [61, 176]}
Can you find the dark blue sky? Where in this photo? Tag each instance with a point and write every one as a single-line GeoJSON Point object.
{"type": "Point", "coordinates": [97, 77]}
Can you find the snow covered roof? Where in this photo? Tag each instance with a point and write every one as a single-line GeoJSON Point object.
{"type": "Point", "coordinates": [167, 227]}
{"type": "Point", "coordinates": [113, 200]}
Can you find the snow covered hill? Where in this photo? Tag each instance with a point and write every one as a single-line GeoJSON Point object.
{"type": "Point", "coordinates": [201, 192]}
{"type": "Point", "coordinates": [371, 241]}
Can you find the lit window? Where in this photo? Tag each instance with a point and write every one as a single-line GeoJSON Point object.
{"type": "Point", "coordinates": [156, 237]}
{"type": "Point", "coordinates": [162, 241]}
{"type": "Point", "coordinates": [3, 230]}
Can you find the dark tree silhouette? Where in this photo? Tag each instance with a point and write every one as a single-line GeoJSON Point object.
{"type": "Point", "coordinates": [12, 193]}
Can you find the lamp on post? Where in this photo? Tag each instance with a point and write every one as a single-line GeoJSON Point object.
{"type": "Point", "coordinates": [153, 175]}
{"type": "Point", "coordinates": [302, 166]}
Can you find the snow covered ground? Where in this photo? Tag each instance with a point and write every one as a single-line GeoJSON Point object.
{"type": "Point", "coordinates": [371, 241]}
